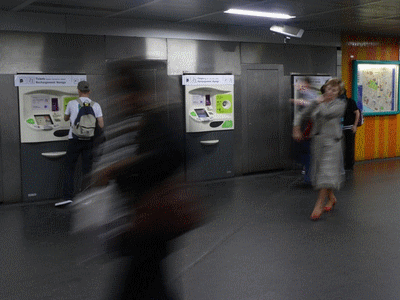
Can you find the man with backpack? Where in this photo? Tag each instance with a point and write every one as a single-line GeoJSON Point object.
{"type": "Point", "coordinates": [85, 115]}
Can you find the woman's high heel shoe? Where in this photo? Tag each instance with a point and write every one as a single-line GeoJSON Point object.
{"type": "Point", "coordinates": [315, 216]}
{"type": "Point", "coordinates": [330, 208]}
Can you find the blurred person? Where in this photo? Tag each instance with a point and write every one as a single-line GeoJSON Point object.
{"type": "Point", "coordinates": [306, 95]}
{"type": "Point", "coordinates": [143, 156]}
{"type": "Point", "coordinates": [306, 92]}
{"type": "Point", "coordinates": [350, 123]}
{"type": "Point", "coordinates": [322, 89]}
{"type": "Point", "coordinates": [327, 158]}
{"type": "Point", "coordinates": [79, 147]}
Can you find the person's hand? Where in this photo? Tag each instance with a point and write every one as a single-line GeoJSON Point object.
{"type": "Point", "coordinates": [354, 128]}
{"type": "Point", "coordinates": [321, 98]}
{"type": "Point", "coordinates": [297, 134]}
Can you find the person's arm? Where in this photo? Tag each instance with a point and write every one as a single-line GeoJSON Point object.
{"type": "Point", "coordinates": [306, 112]}
{"type": "Point", "coordinates": [297, 134]}
{"type": "Point", "coordinates": [357, 113]}
{"type": "Point", "coordinates": [100, 122]}
{"type": "Point", "coordinates": [300, 116]}
{"type": "Point", "coordinates": [300, 102]}
{"type": "Point", "coordinates": [99, 115]}
{"type": "Point", "coordinates": [67, 113]}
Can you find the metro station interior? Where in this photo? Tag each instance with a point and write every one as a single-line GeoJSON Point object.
{"type": "Point", "coordinates": [257, 241]}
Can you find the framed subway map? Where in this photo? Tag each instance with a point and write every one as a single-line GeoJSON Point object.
{"type": "Point", "coordinates": [376, 86]}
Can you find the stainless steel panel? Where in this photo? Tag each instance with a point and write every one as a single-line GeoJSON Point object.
{"type": "Point", "coordinates": [98, 92]}
{"type": "Point", "coordinates": [286, 123]}
{"type": "Point", "coordinates": [10, 146]}
{"type": "Point", "coordinates": [43, 177]}
{"type": "Point", "coordinates": [126, 47]}
{"type": "Point", "coordinates": [339, 57]}
{"type": "Point", "coordinates": [11, 21]}
{"type": "Point", "coordinates": [51, 53]}
{"type": "Point", "coordinates": [294, 58]}
{"type": "Point", "coordinates": [237, 132]}
{"type": "Point", "coordinates": [188, 56]}
{"type": "Point", "coordinates": [262, 117]}
{"type": "Point", "coordinates": [209, 161]}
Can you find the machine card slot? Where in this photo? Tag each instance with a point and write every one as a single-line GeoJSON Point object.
{"type": "Point", "coordinates": [208, 143]}
{"type": "Point", "coordinates": [54, 154]}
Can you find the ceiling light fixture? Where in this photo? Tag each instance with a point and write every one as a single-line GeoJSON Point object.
{"type": "Point", "coordinates": [258, 14]}
{"type": "Point", "coordinates": [287, 30]}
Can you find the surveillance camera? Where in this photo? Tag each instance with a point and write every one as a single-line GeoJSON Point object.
{"type": "Point", "coordinates": [288, 30]}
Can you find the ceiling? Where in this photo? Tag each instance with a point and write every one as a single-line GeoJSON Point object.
{"type": "Point", "coordinates": [336, 16]}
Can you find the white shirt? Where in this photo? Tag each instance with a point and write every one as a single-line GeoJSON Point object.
{"type": "Point", "coordinates": [73, 109]}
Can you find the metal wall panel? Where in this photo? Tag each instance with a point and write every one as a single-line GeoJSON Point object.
{"type": "Point", "coordinates": [286, 110]}
{"type": "Point", "coordinates": [10, 145]}
{"type": "Point", "coordinates": [51, 53]}
{"type": "Point", "coordinates": [84, 25]}
{"type": "Point", "coordinates": [118, 47]}
{"type": "Point", "coordinates": [98, 89]}
{"type": "Point", "coordinates": [262, 108]}
{"type": "Point", "coordinates": [29, 22]}
{"type": "Point", "coordinates": [237, 132]}
{"type": "Point", "coordinates": [294, 58]}
{"type": "Point", "coordinates": [188, 56]}
{"type": "Point", "coordinates": [42, 177]}
{"type": "Point", "coordinates": [175, 96]}
{"type": "Point", "coordinates": [207, 162]}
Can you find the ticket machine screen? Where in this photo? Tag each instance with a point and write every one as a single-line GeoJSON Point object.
{"type": "Point", "coordinates": [201, 112]}
{"type": "Point", "coordinates": [43, 120]}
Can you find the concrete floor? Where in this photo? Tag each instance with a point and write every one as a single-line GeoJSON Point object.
{"type": "Point", "coordinates": [257, 244]}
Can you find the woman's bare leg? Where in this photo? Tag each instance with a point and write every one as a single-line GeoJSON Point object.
{"type": "Point", "coordinates": [331, 202]}
{"type": "Point", "coordinates": [319, 205]}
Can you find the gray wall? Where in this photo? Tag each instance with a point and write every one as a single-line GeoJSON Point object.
{"type": "Point", "coordinates": [29, 52]}
{"type": "Point", "coordinates": [30, 22]}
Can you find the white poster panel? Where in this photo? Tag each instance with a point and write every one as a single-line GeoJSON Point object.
{"type": "Point", "coordinates": [299, 88]}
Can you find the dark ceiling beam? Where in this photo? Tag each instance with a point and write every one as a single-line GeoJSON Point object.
{"type": "Point", "coordinates": [23, 5]}
{"type": "Point", "coordinates": [133, 8]}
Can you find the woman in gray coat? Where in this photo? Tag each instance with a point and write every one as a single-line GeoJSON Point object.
{"type": "Point", "coordinates": [326, 149]}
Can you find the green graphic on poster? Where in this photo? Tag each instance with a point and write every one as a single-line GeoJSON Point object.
{"type": "Point", "coordinates": [224, 104]}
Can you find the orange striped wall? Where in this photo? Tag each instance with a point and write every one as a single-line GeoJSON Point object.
{"type": "Point", "coordinates": [379, 137]}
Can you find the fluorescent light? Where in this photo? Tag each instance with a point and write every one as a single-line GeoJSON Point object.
{"type": "Point", "coordinates": [258, 14]}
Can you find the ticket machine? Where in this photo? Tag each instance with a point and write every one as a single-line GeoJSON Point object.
{"type": "Point", "coordinates": [209, 110]}
{"type": "Point", "coordinates": [44, 133]}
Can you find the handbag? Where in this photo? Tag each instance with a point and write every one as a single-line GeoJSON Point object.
{"type": "Point", "coordinates": [101, 214]}
{"type": "Point", "coordinates": [163, 213]}
{"type": "Point", "coordinates": [96, 207]}
{"type": "Point", "coordinates": [168, 211]}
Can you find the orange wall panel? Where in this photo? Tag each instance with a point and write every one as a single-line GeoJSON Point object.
{"type": "Point", "coordinates": [379, 137]}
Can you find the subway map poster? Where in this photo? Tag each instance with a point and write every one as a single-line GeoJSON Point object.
{"type": "Point", "coordinates": [377, 88]}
